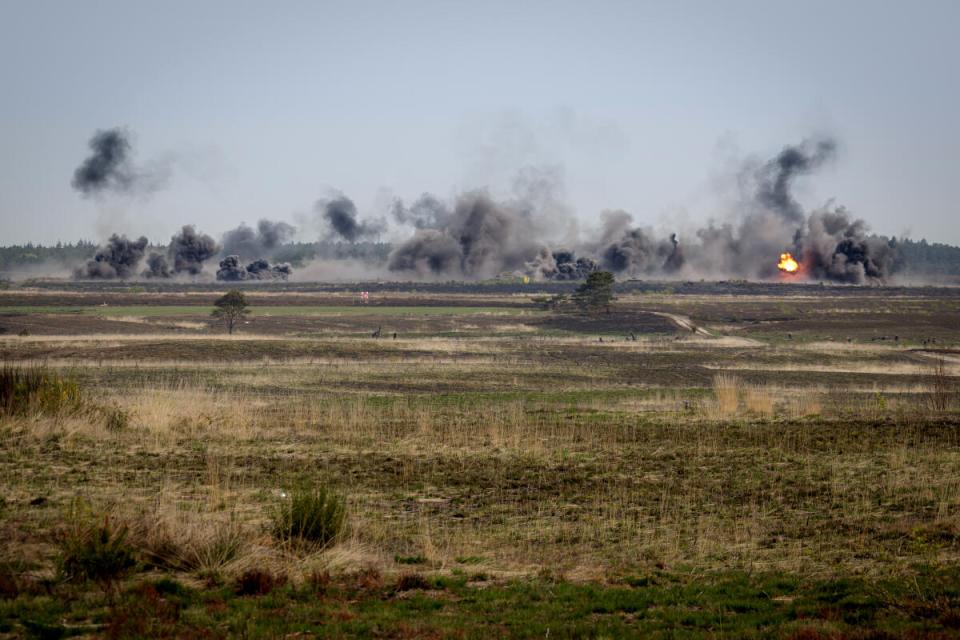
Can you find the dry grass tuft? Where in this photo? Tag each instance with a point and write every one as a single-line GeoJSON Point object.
{"type": "Point", "coordinates": [759, 400]}
{"type": "Point", "coordinates": [806, 404]}
{"type": "Point", "coordinates": [203, 543]}
{"type": "Point", "coordinates": [726, 390]}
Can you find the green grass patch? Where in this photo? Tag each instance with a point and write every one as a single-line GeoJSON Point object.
{"type": "Point", "coordinates": [730, 604]}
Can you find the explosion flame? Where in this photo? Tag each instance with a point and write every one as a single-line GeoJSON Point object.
{"type": "Point", "coordinates": [787, 264]}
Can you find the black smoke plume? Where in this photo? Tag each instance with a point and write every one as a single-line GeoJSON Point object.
{"type": "Point", "coordinates": [775, 178]}
{"type": "Point", "coordinates": [340, 214]}
{"type": "Point", "coordinates": [232, 270]}
{"type": "Point", "coordinates": [253, 243]}
{"type": "Point", "coordinates": [118, 258]}
{"type": "Point", "coordinates": [832, 246]}
{"type": "Point", "coordinates": [157, 267]}
{"type": "Point", "coordinates": [561, 264]}
{"type": "Point", "coordinates": [478, 238]}
{"type": "Point", "coordinates": [427, 212]}
{"type": "Point", "coordinates": [628, 249]}
{"type": "Point", "coordinates": [428, 253]}
{"type": "Point", "coordinates": [110, 168]}
{"type": "Point", "coordinates": [189, 250]}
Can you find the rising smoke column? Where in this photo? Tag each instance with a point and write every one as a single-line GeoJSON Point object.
{"type": "Point", "coordinates": [478, 236]}
{"type": "Point", "coordinates": [481, 237]}
{"type": "Point", "coordinates": [478, 240]}
{"type": "Point", "coordinates": [118, 258]}
{"type": "Point", "coordinates": [189, 250]}
{"type": "Point", "coordinates": [832, 246]}
{"type": "Point", "coordinates": [340, 213]}
{"type": "Point", "coordinates": [768, 219]}
{"type": "Point", "coordinates": [426, 212]}
{"type": "Point", "coordinates": [624, 248]}
{"type": "Point", "coordinates": [245, 241]}
{"type": "Point", "coordinates": [110, 168]}
{"type": "Point", "coordinates": [157, 267]}
{"type": "Point", "coordinates": [429, 252]}
{"type": "Point", "coordinates": [483, 228]}
{"type": "Point", "coordinates": [775, 178]}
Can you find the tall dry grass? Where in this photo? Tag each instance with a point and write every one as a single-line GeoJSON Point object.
{"type": "Point", "coordinates": [726, 392]}
{"type": "Point", "coordinates": [803, 404]}
{"type": "Point", "coordinates": [944, 393]}
{"type": "Point", "coordinates": [759, 400]}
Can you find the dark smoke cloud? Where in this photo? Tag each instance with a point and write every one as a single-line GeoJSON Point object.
{"type": "Point", "coordinates": [628, 249]}
{"type": "Point", "coordinates": [560, 265]}
{"type": "Point", "coordinates": [245, 241]}
{"type": "Point", "coordinates": [427, 212]}
{"type": "Point", "coordinates": [428, 252]}
{"type": "Point", "coordinates": [261, 270]}
{"type": "Point", "coordinates": [189, 250]}
{"type": "Point", "coordinates": [478, 236]}
{"type": "Point", "coordinates": [118, 258]}
{"type": "Point", "coordinates": [832, 246]}
{"type": "Point", "coordinates": [110, 167]}
{"type": "Point", "coordinates": [272, 234]}
{"type": "Point", "coordinates": [157, 267]}
{"type": "Point", "coordinates": [232, 270]}
{"type": "Point", "coordinates": [827, 242]}
{"type": "Point", "coordinates": [481, 238]}
{"type": "Point", "coordinates": [340, 214]}
{"type": "Point", "coordinates": [482, 228]}
{"type": "Point", "coordinates": [775, 178]}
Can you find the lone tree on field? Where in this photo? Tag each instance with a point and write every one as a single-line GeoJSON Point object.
{"type": "Point", "coordinates": [596, 293]}
{"type": "Point", "coordinates": [231, 307]}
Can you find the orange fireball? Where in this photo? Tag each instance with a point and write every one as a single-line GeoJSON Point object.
{"type": "Point", "coordinates": [787, 263]}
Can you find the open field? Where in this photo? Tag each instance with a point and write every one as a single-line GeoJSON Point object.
{"type": "Point", "coordinates": [782, 462]}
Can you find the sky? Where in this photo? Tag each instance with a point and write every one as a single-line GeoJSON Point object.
{"type": "Point", "coordinates": [261, 108]}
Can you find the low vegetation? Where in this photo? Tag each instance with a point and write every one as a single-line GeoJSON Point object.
{"type": "Point", "coordinates": [516, 483]}
{"type": "Point", "coordinates": [93, 547]}
{"type": "Point", "coordinates": [36, 390]}
{"type": "Point", "coordinates": [313, 516]}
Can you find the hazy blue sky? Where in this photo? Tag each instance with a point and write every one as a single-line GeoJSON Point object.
{"type": "Point", "coordinates": [646, 106]}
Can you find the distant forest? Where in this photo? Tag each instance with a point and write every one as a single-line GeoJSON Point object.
{"type": "Point", "coordinates": [917, 257]}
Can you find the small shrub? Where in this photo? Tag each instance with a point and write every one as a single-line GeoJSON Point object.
{"type": "Point", "coordinates": [320, 580]}
{"type": "Point", "coordinates": [94, 548]}
{"type": "Point", "coordinates": [115, 418]}
{"type": "Point", "coordinates": [410, 559]}
{"type": "Point", "coordinates": [315, 516]}
{"type": "Point", "coordinates": [25, 390]}
{"type": "Point", "coordinates": [205, 546]}
{"type": "Point", "coordinates": [411, 581]}
{"type": "Point", "coordinates": [9, 583]}
{"type": "Point", "coordinates": [145, 612]}
{"type": "Point", "coordinates": [258, 582]}
{"type": "Point", "coordinates": [368, 579]}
